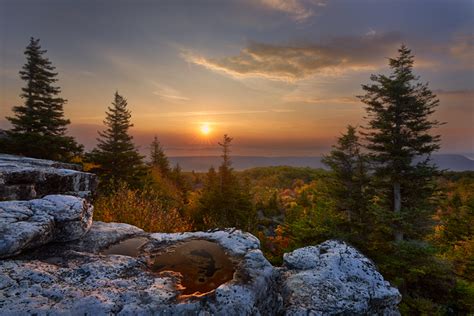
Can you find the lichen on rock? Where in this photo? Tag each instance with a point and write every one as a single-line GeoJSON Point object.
{"type": "Point", "coordinates": [334, 278]}
{"type": "Point", "coordinates": [23, 178]}
{"type": "Point", "coordinates": [29, 224]}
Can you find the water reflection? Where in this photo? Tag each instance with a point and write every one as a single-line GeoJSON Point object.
{"type": "Point", "coordinates": [129, 247]}
{"type": "Point", "coordinates": [203, 265]}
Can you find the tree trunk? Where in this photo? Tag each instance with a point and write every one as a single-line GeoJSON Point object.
{"type": "Point", "coordinates": [397, 205]}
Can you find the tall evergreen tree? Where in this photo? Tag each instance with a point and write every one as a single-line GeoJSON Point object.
{"type": "Point", "coordinates": [39, 126]}
{"type": "Point", "coordinates": [224, 200]}
{"type": "Point", "coordinates": [350, 180]}
{"type": "Point", "coordinates": [158, 158]}
{"type": "Point", "coordinates": [225, 169]}
{"type": "Point", "coordinates": [116, 157]}
{"type": "Point", "coordinates": [400, 141]}
{"type": "Point", "coordinates": [180, 181]}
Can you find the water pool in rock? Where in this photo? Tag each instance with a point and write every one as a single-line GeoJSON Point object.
{"type": "Point", "coordinates": [203, 264]}
{"type": "Point", "coordinates": [128, 247]}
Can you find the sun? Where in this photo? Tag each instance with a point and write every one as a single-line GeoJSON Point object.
{"type": "Point", "coordinates": [205, 129]}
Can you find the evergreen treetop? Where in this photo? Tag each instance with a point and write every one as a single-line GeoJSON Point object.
{"type": "Point", "coordinates": [116, 156]}
{"type": "Point", "coordinates": [158, 158]}
{"type": "Point", "coordinates": [400, 142]}
{"type": "Point", "coordinates": [225, 201]}
{"type": "Point", "coordinates": [38, 126]}
{"type": "Point", "coordinates": [398, 110]}
{"type": "Point", "coordinates": [350, 174]}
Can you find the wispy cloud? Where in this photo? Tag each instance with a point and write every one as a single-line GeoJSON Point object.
{"type": "Point", "coordinates": [296, 62]}
{"type": "Point", "coordinates": [221, 113]}
{"type": "Point", "coordinates": [299, 10]}
{"type": "Point", "coordinates": [463, 49]}
{"type": "Point", "coordinates": [283, 110]}
{"type": "Point", "coordinates": [87, 73]}
{"type": "Point", "coordinates": [322, 100]}
{"type": "Point", "coordinates": [208, 113]}
{"type": "Point", "coordinates": [463, 92]}
{"type": "Point", "coordinates": [166, 92]}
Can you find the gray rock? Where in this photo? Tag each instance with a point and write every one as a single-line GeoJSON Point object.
{"type": "Point", "coordinates": [102, 235]}
{"type": "Point", "coordinates": [30, 224]}
{"type": "Point", "coordinates": [75, 278]}
{"type": "Point", "coordinates": [334, 278]}
{"type": "Point", "coordinates": [24, 178]}
{"type": "Point", "coordinates": [95, 284]}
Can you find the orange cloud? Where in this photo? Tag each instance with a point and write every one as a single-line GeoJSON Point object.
{"type": "Point", "coordinates": [296, 62]}
{"type": "Point", "coordinates": [463, 49]}
{"type": "Point", "coordinates": [297, 9]}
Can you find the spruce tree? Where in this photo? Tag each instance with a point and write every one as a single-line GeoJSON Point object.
{"type": "Point", "coordinates": [350, 180]}
{"type": "Point", "coordinates": [400, 142]}
{"type": "Point", "coordinates": [158, 158]}
{"type": "Point", "coordinates": [225, 169]}
{"type": "Point", "coordinates": [180, 181]}
{"type": "Point", "coordinates": [116, 157]}
{"type": "Point", "coordinates": [39, 126]}
{"type": "Point", "coordinates": [224, 200]}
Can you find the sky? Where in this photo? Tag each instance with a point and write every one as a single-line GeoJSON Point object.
{"type": "Point", "coordinates": [280, 76]}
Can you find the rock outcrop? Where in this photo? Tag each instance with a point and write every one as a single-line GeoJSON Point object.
{"type": "Point", "coordinates": [54, 218]}
{"type": "Point", "coordinates": [333, 278]}
{"type": "Point", "coordinates": [57, 262]}
{"type": "Point", "coordinates": [83, 281]}
{"type": "Point", "coordinates": [28, 178]}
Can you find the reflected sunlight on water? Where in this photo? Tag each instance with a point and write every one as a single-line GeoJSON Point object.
{"type": "Point", "coordinates": [203, 265]}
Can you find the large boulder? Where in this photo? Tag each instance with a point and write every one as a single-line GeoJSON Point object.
{"type": "Point", "coordinates": [333, 278]}
{"type": "Point", "coordinates": [97, 281]}
{"type": "Point", "coordinates": [24, 178]}
{"type": "Point", "coordinates": [30, 224]}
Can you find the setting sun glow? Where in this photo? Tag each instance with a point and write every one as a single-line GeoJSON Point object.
{"type": "Point", "coordinates": [205, 129]}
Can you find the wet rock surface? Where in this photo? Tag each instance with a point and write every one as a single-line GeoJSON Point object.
{"type": "Point", "coordinates": [105, 278]}
{"type": "Point", "coordinates": [333, 278]}
{"type": "Point", "coordinates": [102, 235]}
{"type": "Point", "coordinates": [24, 178]}
{"type": "Point", "coordinates": [54, 218]}
{"type": "Point", "coordinates": [100, 284]}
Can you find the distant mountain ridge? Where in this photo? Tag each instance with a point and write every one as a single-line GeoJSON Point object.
{"type": "Point", "coordinates": [452, 162]}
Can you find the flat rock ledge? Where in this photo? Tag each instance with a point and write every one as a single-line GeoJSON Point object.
{"type": "Point", "coordinates": [333, 278]}
{"type": "Point", "coordinates": [30, 224]}
{"type": "Point", "coordinates": [24, 178]}
{"type": "Point", "coordinates": [79, 280]}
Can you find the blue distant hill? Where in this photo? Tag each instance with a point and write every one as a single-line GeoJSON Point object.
{"type": "Point", "coordinates": [451, 162]}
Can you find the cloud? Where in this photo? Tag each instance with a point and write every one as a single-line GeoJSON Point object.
{"type": "Point", "coordinates": [460, 93]}
{"type": "Point", "coordinates": [316, 100]}
{"type": "Point", "coordinates": [166, 92]}
{"type": "Point", "coordinates": [283, 110]}
{"type": "Point", "coordinates": [220, 113]}
{"type": "Point", "coordinates": [299, 10]}
{"type": "Point", "coordinates": [296, 62]}
{"type": "Point", "coordinates": [463, 49]}
{"type": "Point", "coordinates": [209, 113]}
{"type": "Point", "coordinates": [87, 73]}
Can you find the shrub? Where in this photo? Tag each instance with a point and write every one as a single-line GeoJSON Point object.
{"type": "Point", "coordinates": [144, 209]}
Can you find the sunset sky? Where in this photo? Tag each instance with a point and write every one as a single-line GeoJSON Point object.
{"type": "Point", "coordinates": [280, 76]}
